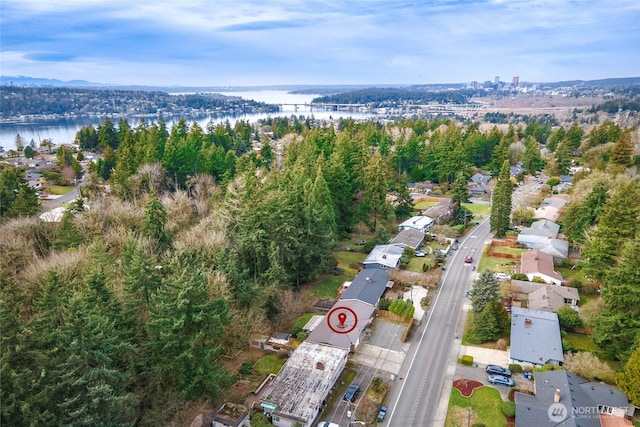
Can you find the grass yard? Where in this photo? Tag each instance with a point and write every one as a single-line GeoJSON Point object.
{"type": "Point", "coordinates": [497, 265]}
{"type": "Point", "coordinates": [574, 275]}
{"type": "Point", "coordinates": [485, 404]}
{"type": "Point", "coordinates": [415, 264]}
{"type": "Point", "coordinates": [328, 287]}
{"type": "Point", "coordinates": [346, 258]}
{"type": "Point", "coordinates": [580, 342]}
{"type": "Point", "coordinates": [424, 204]}
{"type": "Point", "coordinates": [269, 364]}
{"type": "Point", "coordinates": [477, 209]}
{"type": "Point", "coordinates": [302, 320]}
{"type": "Point", "coordinates": [59, 190]}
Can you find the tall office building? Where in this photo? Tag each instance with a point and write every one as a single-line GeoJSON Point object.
{"type": "Point", "coordinates": [516, 80]}
{"type": "Point", "coordinates": [497, 81]}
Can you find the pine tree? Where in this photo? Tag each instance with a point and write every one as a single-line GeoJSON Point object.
{"type": "Point", "coordinates": [154, 220]}
{"type": "Point", "coordinates": [617, 328]}
{"type": "Point", "coordinates": [501, 202]}
{"type": "Point", "coordinates": [531, 159]}
{"type": "Point", "coordinates": [618, 223]}
{"type": "Point", "coordinates": [629, 379]}
{"type": "Point", "coordinates": [459, 191]}
{"type": "Point", "coordinates": [67, 234]}
{"type": "Point", "coordinates": [622, 151]}
{"type": "Point", "coordinates": [485, 289]}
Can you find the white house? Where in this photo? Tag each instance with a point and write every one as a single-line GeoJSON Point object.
{"type": "Point", "coordinates": [420, 223]}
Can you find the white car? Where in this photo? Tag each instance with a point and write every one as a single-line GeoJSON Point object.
{"type": "Point", "coordinates": [327, 424]}
{"type": "Point", "coordinates": [502, 276]}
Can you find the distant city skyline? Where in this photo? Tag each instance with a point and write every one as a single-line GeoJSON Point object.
{"type": "Point", "coordinates": [313, 42]}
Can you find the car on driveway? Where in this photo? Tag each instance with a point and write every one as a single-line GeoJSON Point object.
{"type": "Point", "coordinates": [381, 414]}
{"type": "Point", "coordinates": [498, 370]}
{"type": "Point", "coordinates": [352, 393]}
{"type": "Point", "coordinates": [421, 253]}
{"type": "Point", "coordinates": [500, 380]}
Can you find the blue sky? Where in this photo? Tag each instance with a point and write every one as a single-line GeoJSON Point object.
{"type": "Point", "coordinates": [262, 42]}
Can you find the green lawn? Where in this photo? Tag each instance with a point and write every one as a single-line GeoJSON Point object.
{"type": "Point", "coordinates": [498, 265]}
{"type": "Point", "coordinates": [568, 274]}
{"type": "Point", "coordinates": [477, 209]}
{"type": "Point", "coordinates": [269, 364]}
{"type": "Point", "coordinates": [328, 287]}
{"type": "Point", "coordinates": [344, 258]}
{"type": "Point", "coordinates": [485, 404]}
{"type": "Point", "coordinates": [580, 342]}
{"type": "Point", "coordinates": [424, 204]}
{"type": "Point", "coordinates": [59, 190]}
{"type": "Point", "coordinates": [302, 320]}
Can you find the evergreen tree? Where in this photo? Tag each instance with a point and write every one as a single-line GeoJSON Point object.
{"type": "Point", "coordinates": [487, 328]}
{"type": "Point", "coordinates": [67, 234]}
{"type": "Point", "coordinates": [375, 188]}
{"type": "Point", "coordinates": [617, 328]}
{"type": "Point", "coordinates": [485, 289]}
{"type": "Point", "coordinates": [16, 197]}
{"type": "Point", "coordinates": [629, 379]}
{"type": "Point", "coordinates": [501, 202]}
{"type": "Point", "coordinates": [622, 151]}
{"type": "Point", "coordinates": [154, 220]}
{"type": "Point", "coordinates": [459, 191]}
{"type": "Point", "coordinates": [186, 327]}
{"type": "Point", "coordinates": [618, 223]}
{"type": "Point", "coordinates": [531, 160]}
{"type": "Point", "coordinates": [580, 216]}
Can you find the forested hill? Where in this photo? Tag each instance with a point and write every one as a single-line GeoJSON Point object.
{"type": "Point", "coordinates": [28, 101]}
{"type": "Point", "coordinates": [378, 97]}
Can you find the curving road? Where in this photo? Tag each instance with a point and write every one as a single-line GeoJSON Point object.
{"type": "Point", "coordinates": [421, 394]}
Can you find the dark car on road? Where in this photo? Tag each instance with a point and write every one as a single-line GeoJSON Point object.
{"type": "Point", "coordinates": [497, 370]}
{"type": "Point", "coordinates": [500, 380]}
{"type": "Point", "coordinates": [352, 393]}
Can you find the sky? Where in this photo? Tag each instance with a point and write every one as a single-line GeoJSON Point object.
{"type": "Point", "coordinates": [318, 42]}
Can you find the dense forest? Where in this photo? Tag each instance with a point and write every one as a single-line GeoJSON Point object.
{"type": "Point", "coordinates": [190, 241]}
{"type": "Point", "coordinates": [23, 101]}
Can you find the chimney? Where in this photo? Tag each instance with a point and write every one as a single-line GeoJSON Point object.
{"type": "Point", "coordinates": [527, 322]}
{"type": "Point", "coordinates": [556, 397]}
{"type": "Point", "coordinates": [320, 366]}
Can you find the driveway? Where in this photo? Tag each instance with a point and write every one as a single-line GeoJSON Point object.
{"type": "Point", "coordinates": [476, 372]}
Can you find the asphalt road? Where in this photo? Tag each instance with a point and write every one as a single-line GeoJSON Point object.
{"type": "Point", "coordinates": [415, 399]}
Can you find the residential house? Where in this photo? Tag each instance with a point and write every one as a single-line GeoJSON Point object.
{"type": "Point", "coordinates": [551, 207]}
{"type": "Point", "coordinates": [535, 263]}
{"type": "Point", "coordinates": [324, 334]}
{"type": "Point", "coordinates": [408, 238]}
{"type": "Point", "coordinates": [516, 170]}
{"type": "Point", "coordinates": [419, 223]}
{"type": "Point", "coordinates": [297, 394]}
{"type": "Point", "coordinates": [383, 256]}
{"type": "Point", "coordinates": [564, 399]}
{"type": "Point", "coordinates": [542, 235]}
{"type": "Point", "coordinates": [478, 185]}
{"type": "Point", "coordinates": [231, 415]}
{"type": "Point", "coordinates": [368, 286]}
{"type": "Point", "coordinates": [441, 212]}
{"type": "Point", "coordinates": [538, 296]}
{"type": "Point", "coordinates": [535, 338]}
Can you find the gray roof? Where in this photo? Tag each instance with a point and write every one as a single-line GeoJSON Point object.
{"type": "Point", "coordinates": [557, 248]}
{"type": "Point", "coordinates": [481, 179]}
{"type": "Point", "coordinates": [543, 228]}
{"type": "Point", "coordinates": [411, 238]}
{"type": "Point", "coordinates": [323, 334]}
{"type": "Point", "coordinates": [539, 296]}
{"type": "Point", "coordinates": [305, 380]}
{"type": "Point", "coordinates": [368, 286]}
{"type": "Point", "coordinates": [535, 336]}
{"type": "Point", "coordinates": [556, 202]}
{"type": "Point", "coordinates": [533, 410]}
{"type": "Point", "coordinates": [384, 255]}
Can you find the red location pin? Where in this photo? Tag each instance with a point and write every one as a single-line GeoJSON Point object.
{"type": "Point", "coordinates": [342, 317]}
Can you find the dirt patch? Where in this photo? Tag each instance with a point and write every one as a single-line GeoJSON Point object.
{"type": "Point", "coordinates": [466, 386]}
{"type": "Point", "coordinates": [462, 416]}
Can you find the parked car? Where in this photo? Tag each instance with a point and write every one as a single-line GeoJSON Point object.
{"type": "Point", "coordinates": [352, 393]}
{"type": "Point", "coordinates": [327, 424]}
{"type": "Point", "coordinates": [337, 271]}
{"type": "Point", "coordinates": [468, 260]}
{"type": "Point", "coordinates": [502, 276]}
{"type": "Point", "coordinates": [500, 380]}
{"type": "Point", "coordinates": [381, 413]}
{"type": "Point", "coordinates": [498, 370]}
{"type": "Point", "coordinates": [454, 247]}
{"type": "Point", "coordinates": [360, 242]}
{"type": "Point", "coordinates": [421, 253]}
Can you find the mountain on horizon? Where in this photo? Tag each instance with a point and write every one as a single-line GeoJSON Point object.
{"type": "Point", "coordinates": [38, 81]}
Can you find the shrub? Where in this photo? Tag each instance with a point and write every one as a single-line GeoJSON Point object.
{"type": "Point", "coordinates": [384, 303]}
{"type": "Point", "coordinates": [295, 331]}
{"type": "Point", "coordinates": [519, 276]}
{"type": "Point", "coordinates": [466, 360]}
{"type": "Point", "coordinates": [245, 369]}
{"type": "Point", "coordinates": [516, 368]}
{"type": "Point", "coordinates": [509, 408]}
{"type": "Point", "coordinates": [301, 336]}
{"type": "Point", "coordinates": [589, 366]}
{"type": "Point", "coordinates": [472, 337]}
